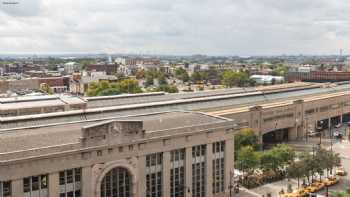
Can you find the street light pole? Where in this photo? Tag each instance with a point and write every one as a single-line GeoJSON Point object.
{"type": "Point", "coordinates": [231, 182]}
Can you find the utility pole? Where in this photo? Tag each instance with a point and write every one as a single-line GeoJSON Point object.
{"type": "Point", "coordinates": [320, 139]}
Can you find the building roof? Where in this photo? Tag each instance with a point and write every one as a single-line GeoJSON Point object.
{"type": "Point", "coordinates": [64, 134]}
{"type": "Point", "coordinates": [202, 103]}
{"type": "Point", "coordinates": [24, 102]}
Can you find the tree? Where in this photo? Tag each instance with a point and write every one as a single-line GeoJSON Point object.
{"type": "Point", "coordinates": [140, 74]}
{"type": "Point", "coordinates": [46, 88]}
{"type": "Point", "coordinates": [162, 79]}
{"type": "Point", "coordinates": [152, 74]}
{"type": "Point", "coordinates": [196, 77]}
{"type": "Point", "coordinates": [85, 62]}
{"type": "Point", "coordinates": [246, 137]}
{"type": "Point", "coordinates": [232, 78]}
{"type": "Point", "coordinates": [92, 90]}
{"type": "Point", "coordinates": [129, 86]}
{"type": "Point", "coordinates": [167, 88]}
{"type": "Point", "coordinates": [311, 164]}
{"type": "Point", "coordinates": [269, 161]}
{"type": "Point", "coordinates": [213, 73]}
{"type": "Point", "coordinates": [280, 70]}
{"type": "Point", "coordinates": [247, 159]}
{"type": "Point", "coordinates": [181, 74]}
{"type": "Point", "coordinates": [329, 160]}
{"type": "Point", "coordinates": [104, 88]}
{"type": "Point", "coordinates": [149, 76]}
{"type": "Point", "coordinates": [109, 91]}
{"type": "Point", "coordinates": [296, 170]}
{"type": "Point", "coordinates": [345, 193]}
{"type": "Point", "coordinates": [285, 153]}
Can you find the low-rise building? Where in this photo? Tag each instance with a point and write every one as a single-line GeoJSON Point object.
{"type": "Point", "coordinates": [166, 154]}
{"type": "Point", "coordinates": [27, 105]}
{"type": "Point", "coordinates": [71, 67]}
{"type": "Point", "coordinates": [80, 84]}
{"type": "Point", "coordinates": [267, 79]}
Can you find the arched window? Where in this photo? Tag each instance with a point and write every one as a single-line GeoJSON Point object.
{"type": "Point", "coordinates": [117, 183]}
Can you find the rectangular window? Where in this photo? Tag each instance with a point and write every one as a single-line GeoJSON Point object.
{"type": "Point", "coordinates": [177, 173]}
{"type": "Point", "coordinates": [309, 111]}
{"type": "Point", "coordinates": [36, 184]}
{"type": "Point", "coordinates": [154, 173]}
{"type": "Point", "coordinates": [324, 108]}
{"type": "Point", "coordinates": [5, 189]}
{"type": "Point", "coordinates": [218, 167]}
{"type": "Point", "coordinates": [70, 182]}
{"type": "Point", "coordinates": [199, 170]}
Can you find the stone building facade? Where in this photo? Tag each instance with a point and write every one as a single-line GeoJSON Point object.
{"type": "Point", "coordinates": [169, 154]}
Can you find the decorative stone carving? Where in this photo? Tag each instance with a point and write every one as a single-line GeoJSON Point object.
{"type": "Point", "coordinates": [111, 133]}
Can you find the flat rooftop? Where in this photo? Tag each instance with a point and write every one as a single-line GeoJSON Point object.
{"type": "Point", "coordinates": [61, 134]}
{"type": "Point", "coordinates": [198, 102]}
{"type": "Point", "coordinates": [118, 100]}
{"type": "Point", "coordinates": [15, 103]}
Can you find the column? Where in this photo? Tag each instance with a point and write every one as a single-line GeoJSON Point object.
{"type": "Point", "coordinates": [17, 188]}
{"type": "Point", "coordinates": [86, 182]}
{"type": "Point", "coordinates": [292, 133]}
{"type": "Point", "coordinates": [209, 170]}
{"type": "Point", "coordinates": [341, 118]}
{"type": "Point", "coordinates": [54, 187]}
{"type": "Point", "coordinates": [188, 172]}
{"type": "Point", "coordinates": [255, 121]}
{"type": "Point", "coordinates": [329, 131]}
{"type": "Point", "coordinates": [229, 161]}
{"type": "Point", "coordinates": [141, 182]}
{"type": "Point", "coordinates": [166, 173]}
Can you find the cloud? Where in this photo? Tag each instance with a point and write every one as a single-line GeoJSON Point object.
{"type": "Point", "coordinates": [21, 8]}
{"type": "Point", "coordinates": [225, 27]}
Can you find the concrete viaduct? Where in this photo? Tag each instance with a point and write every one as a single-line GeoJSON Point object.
{"type": "Point", "coordinates": [275, 113]}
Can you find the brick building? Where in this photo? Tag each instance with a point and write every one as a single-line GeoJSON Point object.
{"type": "Point", "coordinates": [318, 76]}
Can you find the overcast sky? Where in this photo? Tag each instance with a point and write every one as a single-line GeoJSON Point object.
{"type": "Point", "coordinates": [214, 27]}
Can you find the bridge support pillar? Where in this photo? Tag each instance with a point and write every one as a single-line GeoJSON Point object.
{"type": "Point", "coordinates": [293, 133]}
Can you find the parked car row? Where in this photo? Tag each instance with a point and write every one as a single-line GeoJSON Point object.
{"type": "Point", "coordinates": [313, 188]}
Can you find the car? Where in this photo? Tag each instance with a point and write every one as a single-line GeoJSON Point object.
{"type": "Point", "coordinates": [310, 189]}
{"type": "Point", "coordinates": [337, 134]}
{"type": "Point", "coordinates": [340, 171]}
{"type": "Point", "coordinates": [331, 181]}
{"type": "Point", "coordinates": [338, 125]}
{"type": "Point", "coordinates": [318, 185]}
{"type": "Point", "coordinates": [299, 192]}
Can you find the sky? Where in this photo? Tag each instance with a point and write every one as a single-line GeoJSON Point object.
{"type": "Point", "coordinates": [176, 27]}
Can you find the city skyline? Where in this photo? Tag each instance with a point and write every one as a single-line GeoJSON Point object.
{"type": "Point", "coordinates": [177, 27]}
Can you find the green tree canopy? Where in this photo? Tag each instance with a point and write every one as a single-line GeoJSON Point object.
{"type": "Point", "coordinates": [246, 137]}
{"type": "Point", "coordinates": [167, 88]}
{"type": "Point", "coordinates": [152, 74]}
{"type": "Point", "coordinates": [232, 78]}
{"type": "Point", "coordinates": [196, 77]}
{"type": "Point", "coordinates": [105, 88]}
{"type": "Point", "coordinates": [247, 159]}
{"type": "Point", "coordinates": [280, 70]}
{"type": "Point", "coordinates": [277, 158]}
{"type": "Point", "coordinates": [181, 74]}
{"type": "Point", "coordinates": [296, 170]}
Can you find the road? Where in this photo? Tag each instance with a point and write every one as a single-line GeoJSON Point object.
{"type": "Point", "coordinates": [341, 147]}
